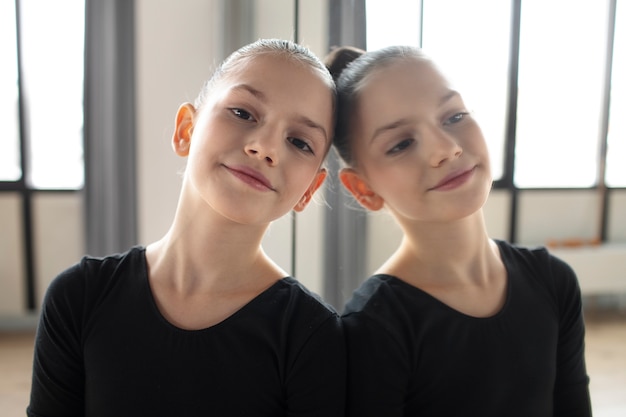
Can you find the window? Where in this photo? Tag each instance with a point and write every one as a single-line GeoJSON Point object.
{"type": "Point", "coordinates": [10, 167]}
{"type": "Point", "coordinates": [560, 92]}
{"type": "Point", "coordinates": [41, 110]}
{"type": "Point", "coordinates": [51, 49]}
{"type": "Point", "coordinates": [405, 29]}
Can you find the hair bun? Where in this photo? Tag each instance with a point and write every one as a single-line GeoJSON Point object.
{"type": "Point", "coordinates": [339, 58]}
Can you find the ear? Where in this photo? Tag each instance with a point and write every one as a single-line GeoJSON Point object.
{"type": "Point", "coordinates": [181, 140]}
{"type": "Point", "coordinates": [360, 190]}
{"type": "Point", "coordinates": [308, 194]}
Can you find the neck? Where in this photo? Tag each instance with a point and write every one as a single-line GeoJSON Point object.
{"type": "Point", "coordinates": [207, 253]}
{"type": "Point", "coordinates": [445, 253]}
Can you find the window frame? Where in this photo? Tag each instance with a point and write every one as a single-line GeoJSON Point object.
{"type": "Point", "coordinates": [20, 186]}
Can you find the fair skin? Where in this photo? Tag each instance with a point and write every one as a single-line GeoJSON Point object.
{"type": "Point", "coordinates": [419, 153]}
{"type": "Point", "coordinates": [254, 152]}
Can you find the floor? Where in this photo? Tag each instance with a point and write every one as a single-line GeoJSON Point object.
{"type": "Point", "coordinates": [606, 364]}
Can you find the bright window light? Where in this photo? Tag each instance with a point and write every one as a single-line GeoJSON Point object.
{"type": "Point", "coordinates": [470, 40]}
{"type": "Point", "coordinates": [52, 39]}
{"type": "Point", "coordinates": [392, 22]}
{"type": "Point", "coordinates": [561, 78]}
{"type": "Point", "coordinates": [9, 140]}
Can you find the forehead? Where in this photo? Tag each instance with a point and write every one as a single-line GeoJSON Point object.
{"type": "Point", "coordinates": [404, 86]}
{"type": "Point", "coordinates": [272, 64]}
{"type": "Point", "coordinates": [278, 75]}
{"type": "Point", "coordinates": [409, 77]}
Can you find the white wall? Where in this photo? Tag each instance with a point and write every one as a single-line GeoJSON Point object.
{"type": "Point", "coordinates": [12, 291]}
{"type": "Point", "coordinates": [58, 236]}
{"type": "Point", "coordinates": [175, 46]}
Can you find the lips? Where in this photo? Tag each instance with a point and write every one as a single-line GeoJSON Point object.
{"type": "Point", "coordinates": [251, 177]}
{"type": "Point", "coordinates": [454, 179]}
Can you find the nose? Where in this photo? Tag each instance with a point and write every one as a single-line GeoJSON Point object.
{"type": "Point", "coordinates": [443, 147]}
{"type": "Point", "coordinates": [264, 147]}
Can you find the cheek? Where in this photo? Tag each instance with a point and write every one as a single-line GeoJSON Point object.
{"type": "Point", "coordinates": [300, 175]}
{"type": "Point", "coordinates": [476, 139]}
{"type": "Point", "coordinates": [390, 181]}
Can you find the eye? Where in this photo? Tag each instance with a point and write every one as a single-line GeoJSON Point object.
{"type": "Point", "coordinates": [456, 118]}
{"type": "Point", "coordinates": [300, 144]}
{"type": "Point", "coordinates": [242, 114]}
{"type": "Point", "coordinates": [402, 145]}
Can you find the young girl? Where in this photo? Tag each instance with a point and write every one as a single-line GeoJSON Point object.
{"type": "Point", "coordinates": [202, 322]}
{"type": "Point", "coordinates": [453, 323]}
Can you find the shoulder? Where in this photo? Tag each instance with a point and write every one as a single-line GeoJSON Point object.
{"type": "Point", "coordinates": [73, 296]}
{"type": "Point", "coordinates": [294, 299]}
{"type": "Point", "coordinates": [542, 267]}
{"type": "Point", "coordinates": [382, 302]}
{"type": "Point", "coordinates": [291, 289]}
{"type": "Point", "coordinates": [537, 259]}
{"type": "Point", "coordinates": [372, 295]}
{"type": "Point", "coordinates": [91, 275]}
{"type": "Point", "coordinates": [382, 311]}
{"type": "Point", "coordinates": [302, 316]}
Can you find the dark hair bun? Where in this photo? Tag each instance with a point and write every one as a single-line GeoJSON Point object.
{"type": "Point", "coordinates": [340, 57]}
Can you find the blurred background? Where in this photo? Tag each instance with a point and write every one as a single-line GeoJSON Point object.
{"type": "Point", "coordinates": [89, 91]}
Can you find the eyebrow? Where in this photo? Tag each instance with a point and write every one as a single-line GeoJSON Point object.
{"type": "Point", "coordinates": [256, 93]}
{"type": "Point", "coordinates": [404, 121]}
{"type": "Point", "coordinates": [448, 96]}
{"type": "Point", "coordinates": [390, 126]}
{"type": "Point", "coordinates": [300, 119]}
{"type": "Point", "coordinates": [310, 123]}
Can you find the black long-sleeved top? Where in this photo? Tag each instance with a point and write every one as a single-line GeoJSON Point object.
{"type": "Point", "coordinates": [103, 349]}
{"type": "Point", "coordinates": [411, 355]}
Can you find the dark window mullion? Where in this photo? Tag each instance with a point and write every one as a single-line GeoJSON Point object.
{"type": "Point", "coordinates": [510, 140]}
{"type": "Point", "coordinates": [603, 194]}
{"type": "Point", "coordinates": [22, 186]}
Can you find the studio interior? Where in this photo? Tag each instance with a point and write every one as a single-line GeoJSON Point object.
{"type": "Point", "coordinates": [89, 105]}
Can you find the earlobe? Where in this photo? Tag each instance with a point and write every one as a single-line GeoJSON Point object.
{"type": "Point", "coordinates": [360, 190]}
{"type": "Point", "coordinates": [308, 194]}
{"type": "Point", "coordinates": [181, 140]}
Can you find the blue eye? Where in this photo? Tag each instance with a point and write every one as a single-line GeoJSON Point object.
{"type": "Point", "coordinates": [400, 146]}
{"type": "Point", "coordinates": [300, 144]}
{"type": "Point", "coordinates": [456, 118]}
{"type": "Point", "coordinates": [242, 114]}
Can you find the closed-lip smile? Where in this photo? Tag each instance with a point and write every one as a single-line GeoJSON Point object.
{"type": "Point", "coordinates": [251, 176]}
{"type": "Point", "coordinates": [454, 179]}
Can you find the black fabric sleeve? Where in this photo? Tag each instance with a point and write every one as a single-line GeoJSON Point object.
{"type": "Point", "coordinates": [316, 382]}
{"type": "Point", "coordinates": [58, 373]}
{"type": "Point", "coordinates": [374, 390]}
{"type": "Point", "coordinates": [571, 392]}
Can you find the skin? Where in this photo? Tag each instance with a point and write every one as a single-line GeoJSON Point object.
{"type": "Point", "coordinates": [419, 153]}
{"type": "Point", "coordinates": [254, 152]}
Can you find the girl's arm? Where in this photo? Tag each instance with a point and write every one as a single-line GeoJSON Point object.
{"type": "Point", "coordinates": [58, 376]}
{"type": "Point", "coordinates": [571, 393]}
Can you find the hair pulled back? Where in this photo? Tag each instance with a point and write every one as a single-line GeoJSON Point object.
{"type": "Point", "coordinates": [287, 49]}
{"type": "Point", "coordinates": [349, 66]}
